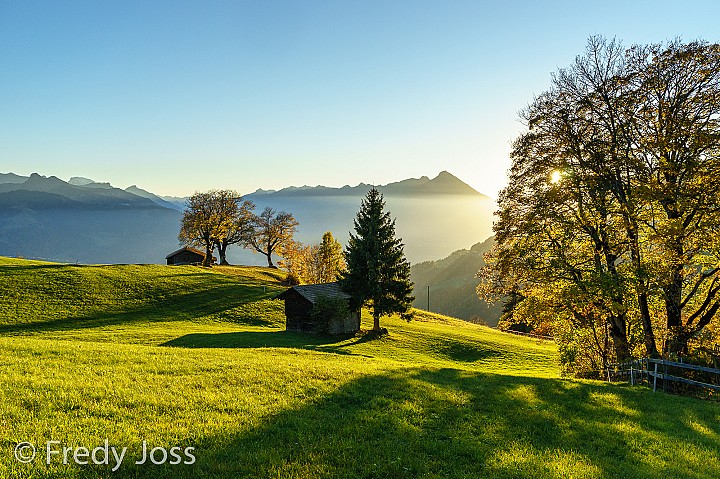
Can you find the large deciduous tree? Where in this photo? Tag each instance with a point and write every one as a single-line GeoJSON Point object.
{"type": "Point", "coordinates": [237, 221]}
{"type": "Point", "coordinates": [612, 200]}
{"type": "Point", "coordinates": [270, 231]}
{"type": "Point", "coordinates": [215, 218]}
{"type": "Point", "coordinates": [678, 144]}
{"type": "Point", "coordinates": [200, 223]}
{"type": "Point", "coordinates": [377, 274]}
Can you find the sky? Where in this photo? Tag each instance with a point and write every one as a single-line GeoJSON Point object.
{"type": "Point", "coordinates": [180, 96]}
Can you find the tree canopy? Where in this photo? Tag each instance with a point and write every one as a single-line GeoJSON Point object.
{"type": "Point", "coordinates": [609, 225]}
{"type": "Point", "coordinates": [312, 264]}
{"type": "Point", "coordinates": [270, 231]}
{"type": "Point", "coordinates": [216, 218]}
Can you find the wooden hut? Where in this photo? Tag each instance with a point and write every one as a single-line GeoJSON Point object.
{"type": "Point", "coordinates": [185, 255]}
{"type": "Point", "coordinates": [300, 300]}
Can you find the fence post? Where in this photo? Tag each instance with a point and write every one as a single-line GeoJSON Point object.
{"type": "Point", "coordinates": [632, 375]}
{"type": "Point", "coordinates": [655, 379]}
{"type": "Point", "coordinates": [642, 369]}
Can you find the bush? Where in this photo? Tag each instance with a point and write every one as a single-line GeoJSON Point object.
{"type": "Point", "coordinates": [292, 279]}
{"type": "Point", "coordinates": [327, 311]}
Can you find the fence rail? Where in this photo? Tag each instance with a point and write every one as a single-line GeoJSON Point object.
{"type": "Point", "coordinates": [654, 373]}
{"type": "Point", "coordinates": [529, 335]}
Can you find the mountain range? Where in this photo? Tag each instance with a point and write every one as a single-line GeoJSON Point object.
{"type": "Point", "coordinates": [434, 217]}
{"type": "Point", "coordinates": [443, 184]}
{"type": "Point", "coordinates": [81, 221]}
{"type": "Point", "coordinates": [85, 221]}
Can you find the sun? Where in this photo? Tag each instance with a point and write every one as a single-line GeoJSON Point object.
{"type": "Point", "coordinates": [556, 176]}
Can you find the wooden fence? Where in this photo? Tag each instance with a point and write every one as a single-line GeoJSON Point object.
{"type": "Point", "coordinates": [529, 335]}
{"type": "Point", "coordinates": [667, 376]}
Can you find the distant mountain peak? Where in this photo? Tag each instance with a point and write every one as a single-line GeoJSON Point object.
{"type": "Point", "coordinates": [36, 180]}
{"type": "Point", "coordinates": [136, 190]}
{"type": "Point", "coordinates": [444, 183]}
{"type": "Point", "coordinates": [80, 181]}
{"type": "Point", "coordinates": [87, 182]}
{"type": "Point", "coordinates": [261, 191]}
{"type": "Point", "coordinates": [12, 178]}
{"type": "Point", "coordinates": [90, 195]}
{"type": "Point", "coordinates": [447, 176]}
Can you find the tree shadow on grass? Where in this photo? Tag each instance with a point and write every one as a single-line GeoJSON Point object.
{"type": "Point", "coordinates": [257, 339]}
{"type": "Point", "coordinates": [466, 352]}
{"type": "Point", "coordinates": [449, 423]}
{"type": "Point", "coordinates": [11, 268]}
{"type": "Point", "coordinates": [460, 424]}
{"type": "Point", "coordinates": [332, 344]}
{"type": "Point", "coordinates": [336, 344]}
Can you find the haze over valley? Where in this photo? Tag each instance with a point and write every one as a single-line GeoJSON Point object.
{"type": "Point", "coordinates": [90, 222]}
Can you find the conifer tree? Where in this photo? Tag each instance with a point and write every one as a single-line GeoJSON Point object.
{"type": "Point", "coordinates": [377, 275]}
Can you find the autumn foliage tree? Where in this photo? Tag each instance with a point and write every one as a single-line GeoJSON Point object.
{"type": "Point", "coordinates": [328, 261]}
{"type": "Point", "coordinates": [312, 264]}
{"type": "Point", "coordinates": [215, 218]}
{"type": "Point", "coordinates": [200, 224]}
{"type": "Point", "coordinates": [611, 208]}
{"type": "Point", "coordinates": [270, 231]}
{"type": "Point", "coordinates": [236, 224]}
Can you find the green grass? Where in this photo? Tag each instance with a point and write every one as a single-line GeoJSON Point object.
{"type": "Point", "coordinates": [193, 357]}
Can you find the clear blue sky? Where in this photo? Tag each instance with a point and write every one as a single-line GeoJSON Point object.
{"type": "Point", "coordinates": [185, 96]}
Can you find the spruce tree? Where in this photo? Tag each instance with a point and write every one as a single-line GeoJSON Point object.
{"type": "Point", "coordinates": [377, 275]}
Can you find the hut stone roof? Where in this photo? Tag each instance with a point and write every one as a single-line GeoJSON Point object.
{"type": "Point", "coordinates": [185, 248]}
{"type": "Point", "coordinates": [312, 291]}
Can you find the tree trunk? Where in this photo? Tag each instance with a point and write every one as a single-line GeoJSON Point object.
{"type": "Point", "coordinates": [270, 263]}
{"type": "Point", "coordinates": [222, 249]}
{"type": "Point", "coordinates": [676, 343]}
{"type": "Point", "coordinates": [208, 254]}
{"type": "Point", "coordinates": [618, 331]}
{"type": "Point", "coordinates": [648, 333]}
{"type": "Point", "coordinates": [649, 337]}
{"type": "Point", "coordinates": [376, 320]}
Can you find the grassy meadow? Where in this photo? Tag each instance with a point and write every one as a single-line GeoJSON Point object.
{"type": "Point", "coordinates": [190, 357]}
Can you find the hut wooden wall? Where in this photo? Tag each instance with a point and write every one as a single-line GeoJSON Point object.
{"type": "Point", "coordinates": [185, 257]}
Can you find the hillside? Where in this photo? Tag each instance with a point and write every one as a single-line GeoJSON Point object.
{"type": "Point", "coordinates": [184, 356]}
{"type": "Point", "coordinates": [452, 285]}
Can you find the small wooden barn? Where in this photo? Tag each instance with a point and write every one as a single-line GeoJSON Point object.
{"type": "Point", "coordinates": [300, 300]}
{"type": "Point", "coordinates": [185, 255]}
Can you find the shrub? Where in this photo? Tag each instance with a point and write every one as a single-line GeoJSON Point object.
{"type": "Point", "coordinates": [327, 311]}
{"type": "Point", "coordinates": [292, 279]}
